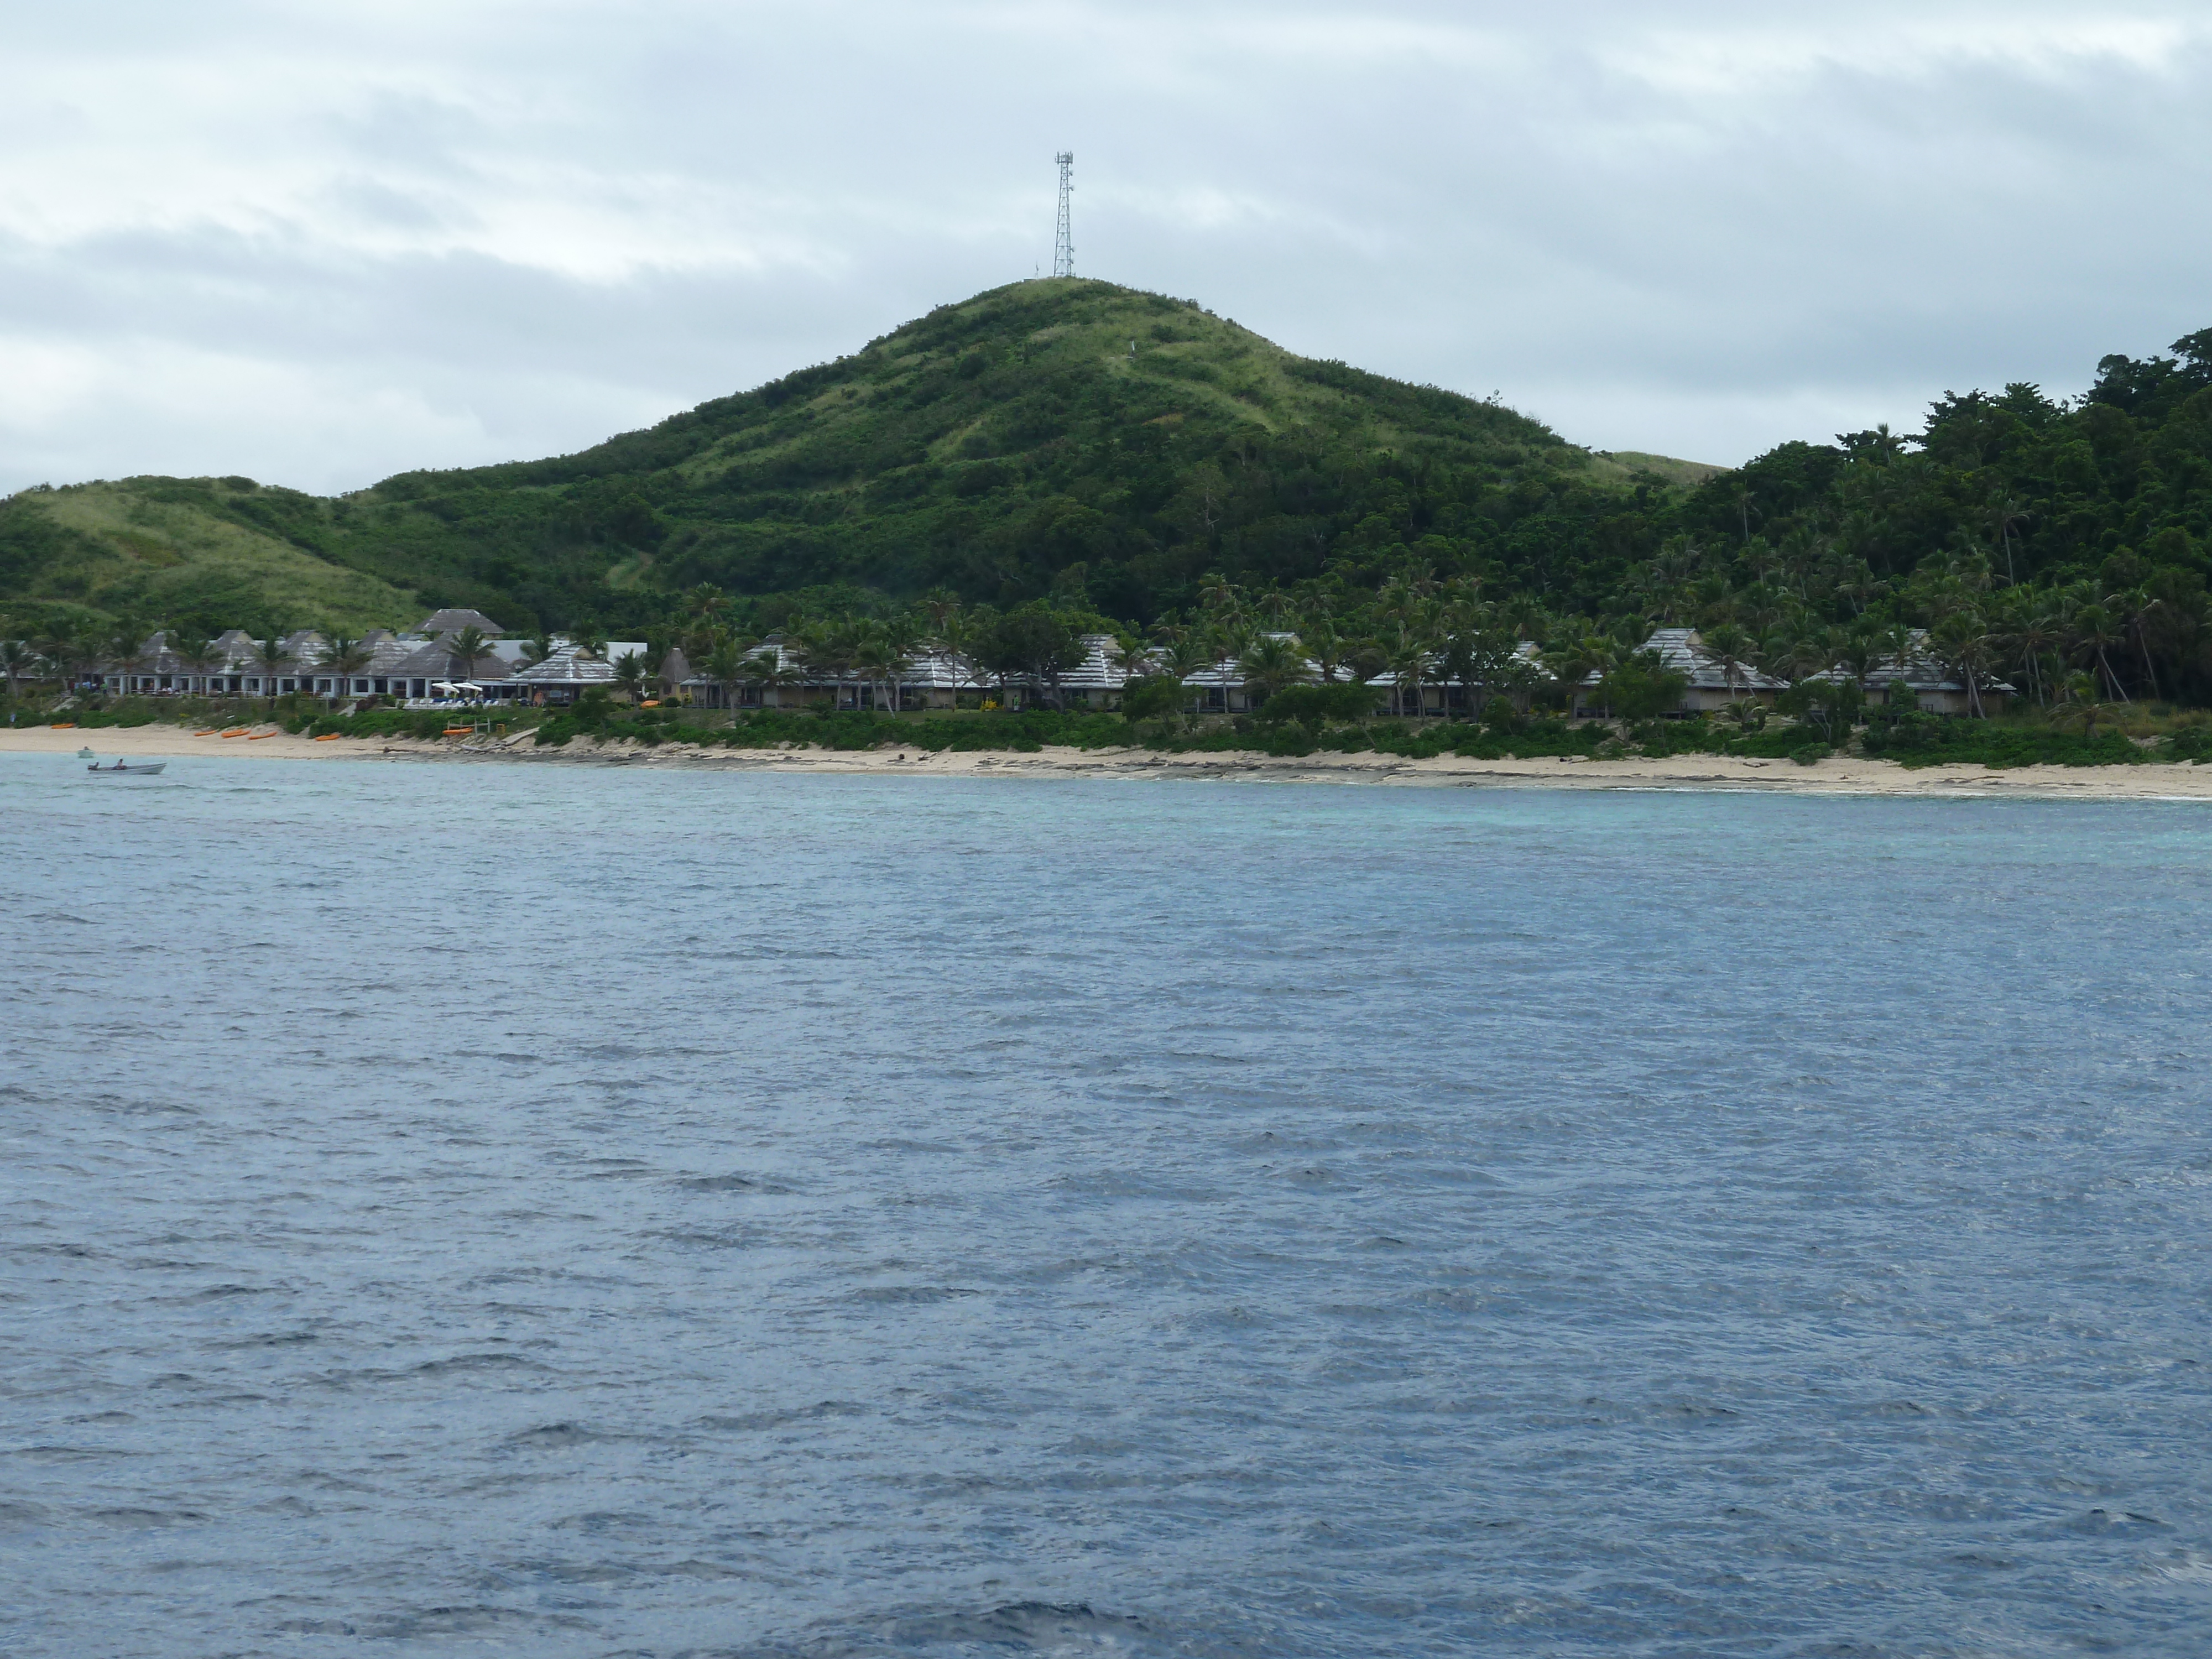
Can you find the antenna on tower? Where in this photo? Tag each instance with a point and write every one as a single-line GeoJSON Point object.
{"type": "Point", "coordinates": [1063, 240]}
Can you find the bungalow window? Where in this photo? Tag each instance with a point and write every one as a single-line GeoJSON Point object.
{"type": "Point", "coordinates": [254, 686]}
{"type": "Point", "coordinates": [361, 688]}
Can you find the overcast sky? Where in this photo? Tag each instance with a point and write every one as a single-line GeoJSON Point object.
{"type": "Point", "coordinates": [319, 243]}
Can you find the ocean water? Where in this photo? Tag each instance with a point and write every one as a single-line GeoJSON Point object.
{"type": "Point", "coordinates": [586, 1212]}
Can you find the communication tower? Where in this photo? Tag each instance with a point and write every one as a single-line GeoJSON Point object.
{"type": "Point", "coordinates": [1063, 240]}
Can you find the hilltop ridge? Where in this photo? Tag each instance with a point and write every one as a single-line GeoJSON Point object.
{"type": "Point", "coordinates": [1054, 436]}
{"type": "Point", "coordinates": [1130, 456]}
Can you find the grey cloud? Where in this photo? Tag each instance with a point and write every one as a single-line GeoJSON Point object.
{"type": "Point", "coordinates": [494, 231]}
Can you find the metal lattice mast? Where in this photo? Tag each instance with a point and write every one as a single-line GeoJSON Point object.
{"type": "Point", "coordinates": [1063, 240]}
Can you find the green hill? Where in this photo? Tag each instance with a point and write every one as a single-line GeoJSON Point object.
{"type": "Point", "coordinates": [1053, 436]}
{"type": "Point", "coordinates": [1127, 454]}
{"type": "Point", "coordinates": [161, 547]}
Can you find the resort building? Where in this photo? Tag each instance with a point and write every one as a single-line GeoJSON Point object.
{"type": "Point", "coordinates": [1711, 682]}
{"type": "Point", "coordinates": [420, 667]}
{"type": "Point", "coordinates": [232, 666]}
{"type": "Point", "coordinates": [1712, 685]}
{"type": "Point", "coordinates": [1936, 686]}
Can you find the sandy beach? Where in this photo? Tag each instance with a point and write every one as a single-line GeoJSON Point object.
{"type": "Point", "coordinates": [1834, 776]}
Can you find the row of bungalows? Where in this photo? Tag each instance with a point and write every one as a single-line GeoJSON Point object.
{"type": "Point", "coordinates": [1711, 685]}
{"type": "Point", "coordinates": [938, 679]}
{"type": "Point", "coordinates": [419, 666]}
{"type": "Point", "coordinates": [422, 667]}
{"type": "Point", "coordinates": [394, 665]}
{"type": "Point", "coordinates": [236, 664]}
{"type": "Point", "coordinates": [776, 674]}
{"type": "Point", "coordinates": [233, 666]}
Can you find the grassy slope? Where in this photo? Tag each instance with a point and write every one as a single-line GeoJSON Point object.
{"type": "Point", "coordinates": [987, 448]}
{"type": "Point", "coordinates": [154, 548]}
{"type": "Point", "coordinates": [1686, 473]}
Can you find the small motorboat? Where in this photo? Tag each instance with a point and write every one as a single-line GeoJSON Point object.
{"type": "Point", "coordinates": [128, 769]}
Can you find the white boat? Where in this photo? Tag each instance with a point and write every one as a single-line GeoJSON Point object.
{"type": "Point", "coordinates": [128, 769]}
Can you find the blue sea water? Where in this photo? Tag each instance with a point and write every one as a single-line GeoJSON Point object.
{"type": "Point", "coordinates": [565, 1210]}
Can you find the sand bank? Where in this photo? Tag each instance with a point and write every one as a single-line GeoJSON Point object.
{"type": "Point", "coordinates": [1831, 777]}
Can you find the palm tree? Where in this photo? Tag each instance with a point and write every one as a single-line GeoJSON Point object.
{"type": "Point", "coordinates": [1407, 661]}
{"type": "Point", "coordinates": [879, 662]}
{"type": "Point", "coordinates": [958, 632]}
{"type": "Point", "coordinates": [1271, 662]}
{"type": "Point", "coordinates": [2079, 703]}
{"type": "Point", "coordinates": [2142, 609]}
{"type": "Point", "coordinates": [1858, 650]}
{"type": "Point", "coordinates": [1573, 664]}
{"type": "Point", "coordinates": [766, 669]}
{"type": "Point", "coordinates": [537, 648]}
{"type": "Point", "coordinates": [1226, 639]}
{"type": "Point", "coordinates": [1131, 656]}
{"type": "Point", "coordinates": [724, 663]}
{"type": "Point", "coordinates": [463, 647]}
{"type": "Point", "coordinates": [78, 652]}
{"type": "Point", "coordinates": [272, 657]}
{"type": "Point", "coordinates": [1183, 658]}
{"type": "Point", "coordinates": [197, 653]}
{"type": "Point", "coordinates": [2095, 629]}
{"type": "Point", "coordinates": [630, 675]}
{"type": "Point", "coordinates": [1324, 643]}
{"type": "Point", "coordinates": [2007, 513]}
{"type": "Point", "coordinates": [1222, 599]}
{"type": "Point", "coordinates": [1966, 648]}
{"type": "Point", "coordinates": [345, 656]}
{"type": "Point", "coordinates": [902, 635]}
{"type": "Point", "coordinates": [123, 644]}
{"type": "Point", "coordinates": [1729, 649]}
{"type": "Point", "coordinates": [16, 660]}
{"type": "Point", "coordinates": [2029, 628]}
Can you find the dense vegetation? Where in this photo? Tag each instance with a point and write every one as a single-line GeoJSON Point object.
{"type": "Point", "coordinates": [1058, 455]}
{"type": "Point", "coordinates": [1053, 438]}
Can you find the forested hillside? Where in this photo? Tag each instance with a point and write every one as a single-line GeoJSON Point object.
{"type": "Point", "coordinates": [1049, 436]}
{"type": "Point", "coordinates": [1121, 453]}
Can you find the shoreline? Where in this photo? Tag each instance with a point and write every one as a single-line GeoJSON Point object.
{"type": "Point", "coordinates": [2161, 780]}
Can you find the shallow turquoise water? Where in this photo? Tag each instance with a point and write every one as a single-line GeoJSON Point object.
{"type": "Point", "coordinates": [567, 1210]}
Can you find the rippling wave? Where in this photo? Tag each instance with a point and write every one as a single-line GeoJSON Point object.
{"type": "Point", "coordinates": [570, 1211]}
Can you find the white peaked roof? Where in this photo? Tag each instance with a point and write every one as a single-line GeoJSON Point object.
{"type": "Point", "coordinates": [1100, 668]}
{"type": "Point", "coordinates": [1683, 651]}
{"type": "Point", "coordinates": [925, 670]}
{"type": "Point", "coordinates": [452, 621]}
{"type": "Point", "coordinates": [939, 671]}
{"type": "Point", "coordinates": [1532, 669]}
{"type": "Point", "coordinates": [568, 666]}
{"type": "Point", "coordinates": [1919, 667]}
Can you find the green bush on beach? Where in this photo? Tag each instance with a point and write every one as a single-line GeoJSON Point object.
{"type": "Point", "coordinates": [1289, 725]}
